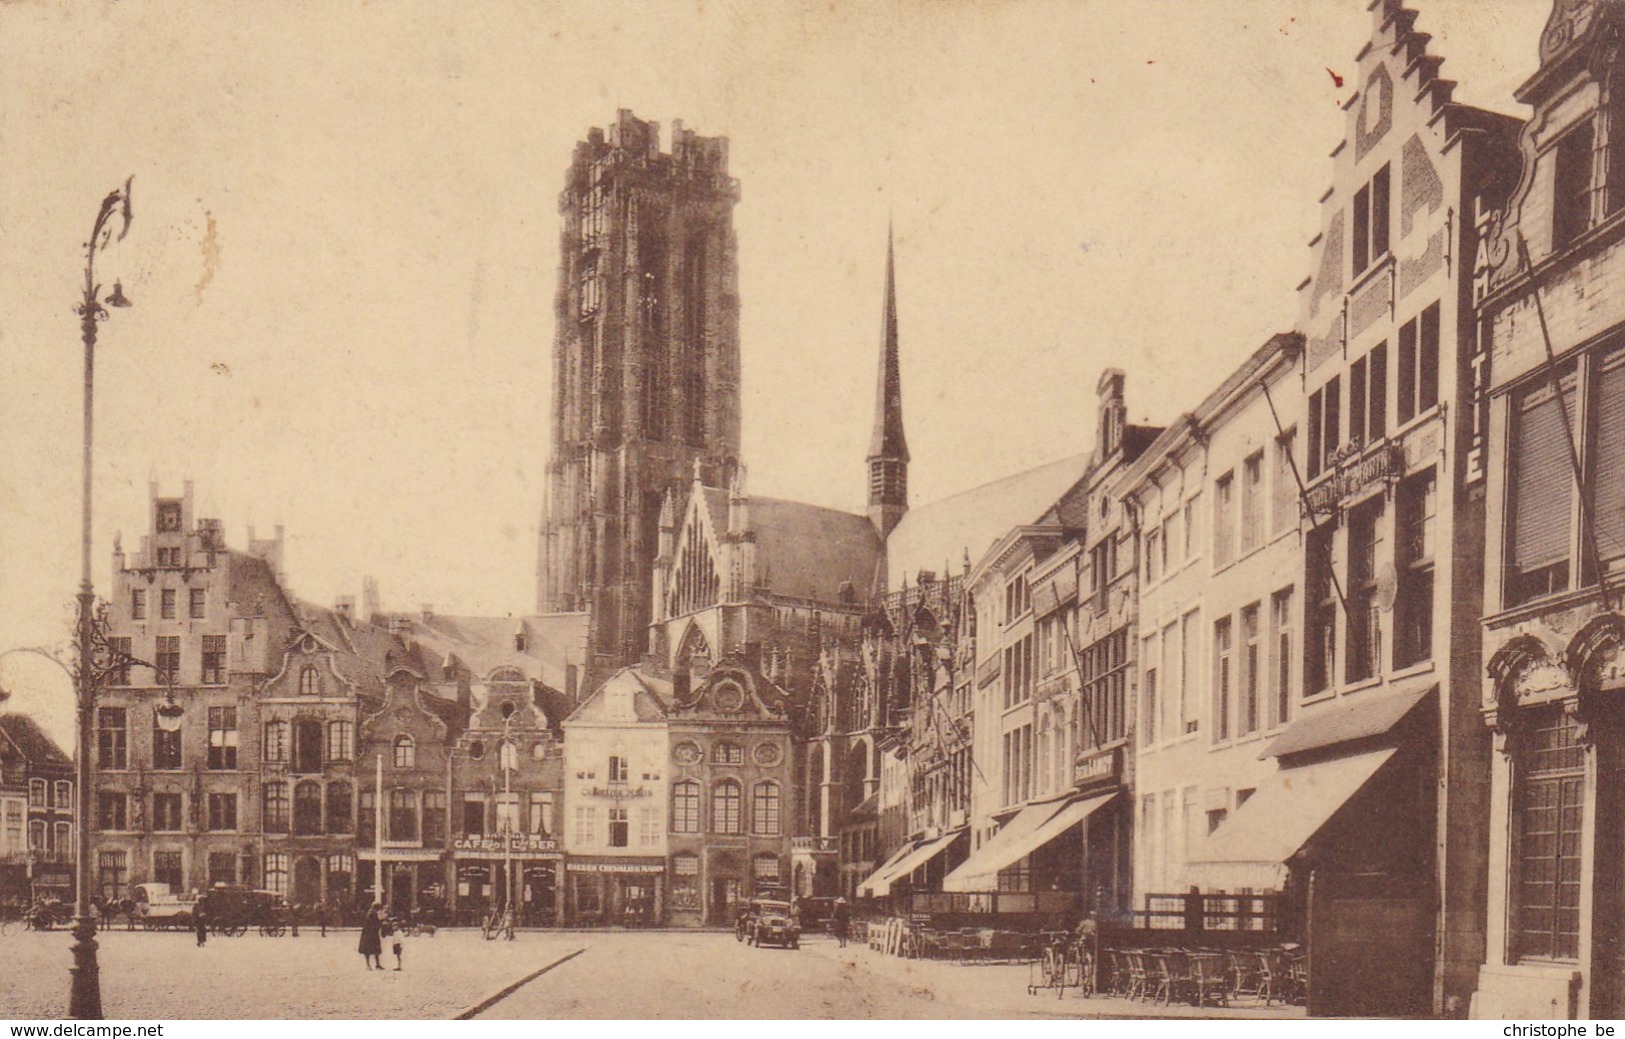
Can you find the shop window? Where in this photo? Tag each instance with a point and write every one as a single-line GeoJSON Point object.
{"type": "Point", "coordinates": [1549, 778]}
{"type": "Point", "coordinates": [765, 868]}
{"type": "Point", "coordinates": [166, 869]}
{"type": "Point", "coordinates": [685, 893]}
{"type": "Point", "coordinates": [1416, 522]}
{"type": "Point", "coordinates": [112, 870]}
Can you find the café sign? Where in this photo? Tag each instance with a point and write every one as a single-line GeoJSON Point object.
{"type": "Point", "coordinates": [518, 842]}
{"type": "Point", "coordinates": [616, 867]}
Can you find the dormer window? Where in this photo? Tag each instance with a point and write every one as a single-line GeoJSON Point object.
{"type": "Point", "coordinates": [1571, 186]}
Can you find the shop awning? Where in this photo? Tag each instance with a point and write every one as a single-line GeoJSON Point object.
{"type": "Point", "coordinates": [1349, 718]}
{"type": "Point", "coordinates": [1250, 850]}
{"type": "Point", "coordinates": [883, 875]}
{"type": "Point", "coordinates": [923, 852]}
{"type": "Point", "coordinates": [1034, 827]}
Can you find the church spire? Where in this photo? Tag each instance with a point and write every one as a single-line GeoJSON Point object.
{"type": "Point", "coordinates": [888, 448]}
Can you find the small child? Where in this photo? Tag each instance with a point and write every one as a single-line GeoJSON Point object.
{"type": "Point", "coordinates": [396, 949]}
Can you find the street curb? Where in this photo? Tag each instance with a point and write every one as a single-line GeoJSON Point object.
{"type": "Point", "coordinates": [509, 989]}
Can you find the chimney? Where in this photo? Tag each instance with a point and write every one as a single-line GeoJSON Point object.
{"type": "Point", "coordinates": [344, 606]}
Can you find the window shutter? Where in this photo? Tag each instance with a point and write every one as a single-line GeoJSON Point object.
{"type": "Point", "coordinates": [1608, 483]}
{"type": "Point", "coordinates": [1543, 480]}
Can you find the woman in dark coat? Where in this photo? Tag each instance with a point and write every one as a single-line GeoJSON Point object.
{"type": "Point", "coordinates": [372, 941]}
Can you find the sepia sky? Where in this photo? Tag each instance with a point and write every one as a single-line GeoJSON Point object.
{"type": "Point", "coordinates": [344, 252]}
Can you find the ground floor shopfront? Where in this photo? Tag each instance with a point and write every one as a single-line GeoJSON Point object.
{"type": "Point", "coordinates": [613, 891]}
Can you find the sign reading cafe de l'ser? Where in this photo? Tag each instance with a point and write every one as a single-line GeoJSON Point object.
{"type": "Point", "coordinates": [528, 843]}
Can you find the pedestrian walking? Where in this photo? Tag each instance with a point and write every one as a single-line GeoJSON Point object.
{"type": "Point", "coordinates": [371, 946]}
{"type": "Point", "coordinates": [293, 917]}
{"type": "Point", "coordinates": [200, 920]}
{"type": "Point", "coordinates": [839, 918]}
{"type": "Point", "coordinates": [396, 949]}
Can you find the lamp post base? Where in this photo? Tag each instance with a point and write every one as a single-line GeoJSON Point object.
{"type": "Point", "coordinates": [85, 995]}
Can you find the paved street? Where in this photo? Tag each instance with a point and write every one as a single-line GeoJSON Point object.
{"type": "Point", "coordinates": [619, 974]}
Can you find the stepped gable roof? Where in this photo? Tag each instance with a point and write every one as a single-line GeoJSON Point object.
{"type": "Point", "coordinates": [38, 749]}
{"type": "Point", "coordinates": [651, 698]}
{"type": "Point", "coordinates": [969, 522]}
{"type": "Point", "coordinates": [807, 551]}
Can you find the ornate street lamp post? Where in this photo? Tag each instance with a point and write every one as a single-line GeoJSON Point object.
{"type": "Point", "coordinates": [85, 994]}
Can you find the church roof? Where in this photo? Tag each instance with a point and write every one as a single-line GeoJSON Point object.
{"type": "Point", "coordinates": [808, 552]}
{"type": "Point", "coordinates": [945, 531]}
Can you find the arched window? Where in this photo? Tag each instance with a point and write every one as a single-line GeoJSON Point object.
{"type": "Point", "coordinates": [276, 808]}
{"type": "Point", "coordinates": [508, 756]}
{"type": "Point", "coordinates": [310, 683]}
{"type": "Point", "coordinates": [726, 753]}
{"type": "Point", "coordinates": [685, 807]}
{"type": "Point", "coordinates": [307, 808]}
{"type": "Point", "coordinates": [764, 809]}
{"type": "Point", "coordinates": [340, 816]}
{"type": "Point", "coordinates": [725, 808]}
{"type": "Point", "coordinates": [403, 815]}
{"type": "Point", "coordinates": [406, 754]}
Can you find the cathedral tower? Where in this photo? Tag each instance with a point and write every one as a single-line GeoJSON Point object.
{"type": "Point", "coordinates": [888, 448]}
{"type": "Point", "coordinates": [646, 367]}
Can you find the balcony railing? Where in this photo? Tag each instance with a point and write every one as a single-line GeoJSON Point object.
{"type": "Point", "coordinates": [813, 844]}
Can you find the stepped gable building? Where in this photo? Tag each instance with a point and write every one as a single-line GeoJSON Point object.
{"type": "Point", "coordinates": [646, 367]}
{"type": "Point", "coordinates": [1394, 528]}
{"type": "Point", "coordinates": [37, 838]}
{"type": "Point", "coordinates": [1552, 329]}
{"type": "Point", "coordinates": [178, 800]}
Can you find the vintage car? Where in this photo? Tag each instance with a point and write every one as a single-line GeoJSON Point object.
{"type": "Point", "coordinates": [768, 921]}
{"type": "Point", "coordinates": [815, 913]}
{"type": "Point", "coordinates": [158, 906]}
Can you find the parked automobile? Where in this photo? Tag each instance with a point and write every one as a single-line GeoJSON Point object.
{"type": "Point", "coordinates": [815, 913]}
{"type": "Point", "coordinates": [159, 906]}
{"type": "Point", "coordinates": [767, 921]}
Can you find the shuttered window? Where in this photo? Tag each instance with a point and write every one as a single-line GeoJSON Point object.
{"type": "Point", "coordinates": [1543, 493]}
{"type": "Point", "coordinates": [1608, 489]}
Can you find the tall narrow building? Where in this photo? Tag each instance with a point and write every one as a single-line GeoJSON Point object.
{"type": "Point", "coordinates": [888, 447]}
{"type": "Point", "coordinates": [646, 367]}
